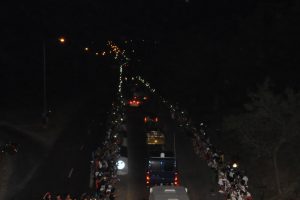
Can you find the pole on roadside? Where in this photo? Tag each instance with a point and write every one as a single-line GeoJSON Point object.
{"type": "Point", "coordinates": [45, 106]}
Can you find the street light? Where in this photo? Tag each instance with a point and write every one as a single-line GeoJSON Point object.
{"type": "Point", "coordinates": [45, 106]}
{"type": "Point", "coordinates": [61, 40]}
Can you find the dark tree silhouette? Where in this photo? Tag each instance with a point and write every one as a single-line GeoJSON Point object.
{"type": "Point", "coordinates": [269, 121]}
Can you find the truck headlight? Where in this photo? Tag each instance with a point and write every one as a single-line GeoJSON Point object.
{"type": "Point", "coordinates": [120, 164]}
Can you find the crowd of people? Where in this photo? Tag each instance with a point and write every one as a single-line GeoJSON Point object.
{"type": "Point", "coordinates": [49, 196]}
{"type": "Point", "coordinates": [233, 183]}
{"type": "Point", "coordinates": [105, 157]}
{"type": "Point", "coordinates": [9, 148]}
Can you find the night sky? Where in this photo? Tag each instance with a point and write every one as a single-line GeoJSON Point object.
{"type": "Point", "coordinates": [199, 47]}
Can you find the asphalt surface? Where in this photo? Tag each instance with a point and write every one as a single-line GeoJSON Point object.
{"type": "Point", "coordinates": [19, 167]}
{"type": "Point", "coordinates": [193, 172]}
{"type": "Point", "coordinates": [66, 169]}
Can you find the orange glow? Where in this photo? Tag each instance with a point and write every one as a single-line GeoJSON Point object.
{"type": "Point", "coordinates": [145, 119]}
{"type": "Point", "coordinates": [61, 40]}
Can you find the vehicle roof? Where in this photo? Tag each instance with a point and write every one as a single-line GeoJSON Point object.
{"type": "Point", "coordinates": [156, 154]}
{"type": "Point", "coordinates": [168, 193]}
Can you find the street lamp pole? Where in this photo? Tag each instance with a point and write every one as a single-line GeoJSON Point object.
{"type": "Point", "coordinates": [45, 103]}
{"type": "Point", "coordinates": [45, 106]}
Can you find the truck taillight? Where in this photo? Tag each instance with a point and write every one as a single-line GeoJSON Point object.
{"type": "Point", "coordinates": [176, 181]}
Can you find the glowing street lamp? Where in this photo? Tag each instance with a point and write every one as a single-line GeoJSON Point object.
{"type": "Point", "coordinates": [61, 40]}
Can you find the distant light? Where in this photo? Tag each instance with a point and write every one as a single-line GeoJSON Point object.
{"type": "Point", "coordinates": [86, 48]}
{"type": "Point", "coordinates": [234, 165]}
{"type": "Point", "coordinates": [61, 40]}
{"type": "Point", "coordinates": [97, 53]}
{"type": "Point", "coordinates": [103, 53]}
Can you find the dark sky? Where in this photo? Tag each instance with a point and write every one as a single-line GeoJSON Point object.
{"type": "Point", "coordinates": [228, 41]}
{"type": "Point", "coordinates": [112, 19]}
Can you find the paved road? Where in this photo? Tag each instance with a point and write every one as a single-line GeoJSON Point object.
{"type": "Point", "coordinates": [66, 168]}
{"type": "Point", "coordinates": [193, 172]}
{"type": "Point", "coordinates": [18, 168]}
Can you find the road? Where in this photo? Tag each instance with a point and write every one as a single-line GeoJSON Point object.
{"type": "Point", "coordinates": [17, 169]}
{"type": "Point", "coordinates": [193, 172]}
{"type": "Point", "coordinates": [66, 168]}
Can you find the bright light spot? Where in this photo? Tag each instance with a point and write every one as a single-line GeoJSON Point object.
{"type": "Point", "coordinates": [61, 40]}
{"type": "Point", "coordinates": [234, 165]}
{"type": "Point", "coordinates": [97, 54]}
{"type": "Point", "coordinates": [86, 48]}
{"type": "Point", "coordinates": [120, 164]}
{"type": "Point", "coordinates": [103, 53]}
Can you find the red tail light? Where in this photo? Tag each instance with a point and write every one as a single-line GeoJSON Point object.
{"type": "Point", "coordinates": [176, 181]}
{"type": "Point", "coordinates": [156, 119]}
{"type": "Point", "coordinates": [145, 119]}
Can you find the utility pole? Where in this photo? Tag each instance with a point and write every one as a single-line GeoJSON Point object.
{"type": "Point", "coordinates": [45, 114]}
{"type": "Point", "coordinates": [45, 106]}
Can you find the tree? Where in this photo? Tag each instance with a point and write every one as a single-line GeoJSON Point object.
{"type": "Point", "coordinates": [269, 121]}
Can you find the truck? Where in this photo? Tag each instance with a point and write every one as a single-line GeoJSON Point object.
{"type": "Point", "coordinates": [161, 169]}
{"type": "Point", "coordinates": [168, 192]}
